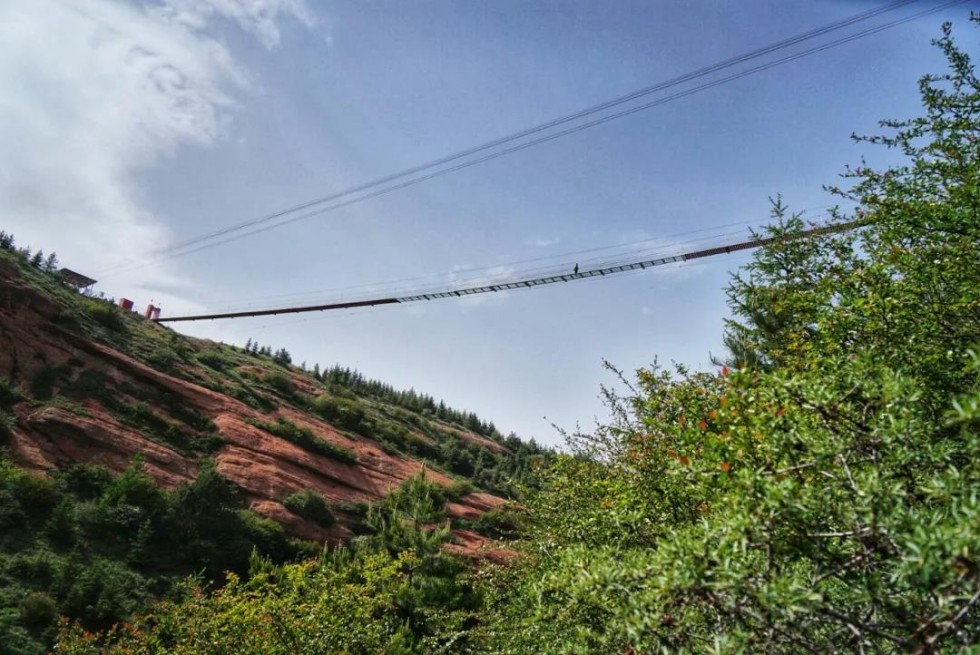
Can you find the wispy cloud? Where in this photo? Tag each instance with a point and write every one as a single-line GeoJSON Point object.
{"type": "Point", "coordinates": [258, 17]}
{"type": "Point", "coordinates": [92, 94]}
{"type": "Point", "coordinates": [542, 243]}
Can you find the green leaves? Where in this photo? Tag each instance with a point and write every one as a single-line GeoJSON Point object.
{"type": "Point", "coordinates": [311, 506]}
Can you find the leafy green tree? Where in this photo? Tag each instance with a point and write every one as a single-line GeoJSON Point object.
{"type": "Point", "coordinates": [411, 518]}
{"type": "Point", "coordinates": [313, 607]}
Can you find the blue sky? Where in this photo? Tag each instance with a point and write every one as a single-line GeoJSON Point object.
{"type": "Point", "coordinates": [127, 127]}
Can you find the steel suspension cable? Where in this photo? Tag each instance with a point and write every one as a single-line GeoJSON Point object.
{"type": "Point", "coordinates": [530, 282]}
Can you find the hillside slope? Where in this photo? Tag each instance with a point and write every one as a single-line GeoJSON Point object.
{"type": "Point", "coordinates": [89, 383]}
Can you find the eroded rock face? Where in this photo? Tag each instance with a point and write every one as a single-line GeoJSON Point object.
{"type": "Point", "coordinates": [52, 437]}
{"type": "Point", "coordinates": [473, 505]}
{"type": "Point", "coordinates": [265, 466]}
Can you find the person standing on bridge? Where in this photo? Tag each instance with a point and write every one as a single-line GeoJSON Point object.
{"type": "Point", "coordinates": [576, 270]}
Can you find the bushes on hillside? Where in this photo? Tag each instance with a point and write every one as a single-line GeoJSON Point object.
{"type": "Point", "coordinates": [7, 423]}
{"type": "Point", "coordinates": [281, 382]}
{"type": "Point", "coordinates": [344, 413]}
{"type": "Point", "coordinates": [304, 438]}
{"type": "Point", "coordinates": [10, 394]}
{"type": "Point", "coordinates": [394, 592]}
{"type": "Point", "coordinates": [311, 506]}
{"type": "Point", "coordinates": [97, 547]}
{"type": "Point", "coordinates": [104, 313]}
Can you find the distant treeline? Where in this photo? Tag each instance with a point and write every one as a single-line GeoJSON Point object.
{"type": "Point", "coordinates": [36, 259]}
{"type": "Point", "coordinates": [412, 400]}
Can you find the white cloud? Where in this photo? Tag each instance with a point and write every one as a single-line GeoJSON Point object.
{"type": "Point", "coordinates": [258, 17]}
{"type": "Point", "coordinates": [541, 243]}
{"type": "Point", "coordinates": [92, 94]}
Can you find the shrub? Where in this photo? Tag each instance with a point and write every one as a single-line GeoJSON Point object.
{"type": "Point", "coordinates": [498, 524]}
{"type": "Point", "coordinates": [104, 592]}
{"type": "Point", "coordinates": [37, 494]}
{"type": "Point", "coordinates": [43, 384]}
{"type": "Point", "coordinates": [354, 509]}
{"type": "Point", "coordinates": [281, 382]}
{"type": "Point", "coordinates": [69, 406]}
{"type": "Point", "coordinates": [134, 488]}
{"type": "Point", "coordinates": [460, 488]}
{"type": "Point", "coordinates": [7, 423]}
{"type": "Point", "coordinates": [38, 610]}
{"type": "Point", "coordinates": [10, 394]}
{"type": "Point", "coordinates": [268, 536]}
{"type": "Point", "coordinates": [346, 414]}
{"type": "Point", "coordinates": [163, 359]}
{"type": "Point", "coordinates": [252, 398]}
{"type": "Point", "coordinates": [213, 360]}
{"type": "Point", "coordinates": [62, 527]}
{"type": "Point", "coordinates": [87, 481]}
{"type": "Point", "coordinates": [305, 438]}
{"type": "Point", "coordinates": [90, 384]}
{"type": "Point", "coordinates": [197, 435]}
{"type": "Point", "coordinates": [12, 515]}
{"type": "Point", "coordinates": [311, 506]}
{"type": "Point", "coordinates": [104, 313]}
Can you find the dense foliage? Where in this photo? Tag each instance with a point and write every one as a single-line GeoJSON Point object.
{"type": "Point", "coordinates": [98, 548]}
{"type": "Point", "coordinates": [396, 591]}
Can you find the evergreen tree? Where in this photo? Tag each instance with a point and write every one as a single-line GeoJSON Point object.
{"type": "Point", "coordinates": [282, 357]}
{"type": "Point", "coordinates": [51, 263]}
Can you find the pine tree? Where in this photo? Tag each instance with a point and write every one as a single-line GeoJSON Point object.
{"type": "Point", "coordinates": [51, 263]}
{"type": "Point", "coordinates": [282, 357]}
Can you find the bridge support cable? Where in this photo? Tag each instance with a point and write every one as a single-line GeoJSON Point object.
{"type": "Point", "coordinates": [528, 283]}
